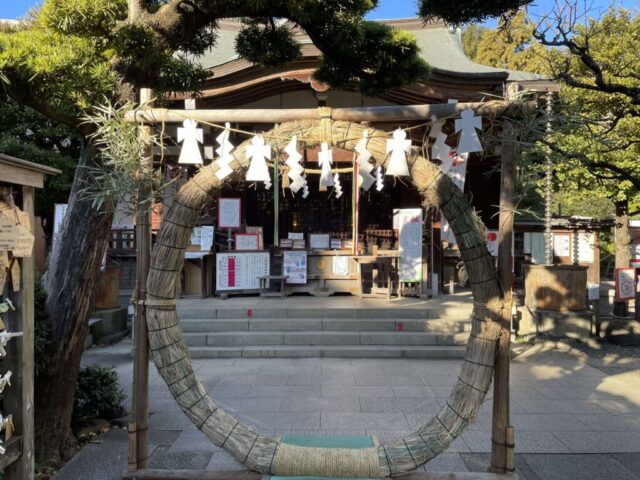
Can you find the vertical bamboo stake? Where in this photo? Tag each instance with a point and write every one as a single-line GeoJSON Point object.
{"type": "Point", "coordinates": [140, 407]}
{"type": "Point", "coordinates": [548, 175]}
{"type": "Point", "coordinates": [276, 203]}
{"type": "Point", "coordinates": [501, 450]}
{"type": "Point", "coordinates": [355, 200]}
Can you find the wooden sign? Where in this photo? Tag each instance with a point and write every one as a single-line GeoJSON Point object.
{"type": "Point", "coordinates": [15, 237]}
{"type": "Point", "coordinates": [259, 232]}
{"type": "Point", "coordinates": [4, 264]}
{"type": "Point", "coordinates": [625, 283]}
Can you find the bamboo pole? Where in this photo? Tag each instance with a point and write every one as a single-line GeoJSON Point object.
{"type": "Point", "coordinates": [392, 113]}
{"type": "Point", "coordinates": [140, 407]}
{"type": "Point", "coordinates": [501, 447]}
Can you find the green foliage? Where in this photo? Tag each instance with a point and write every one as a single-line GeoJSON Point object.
{"type": "Point", "coordinates": [593, 132]}
{"type": "Point", "coordinates": [120, 178]}
{"type": "Point", "coordinates": [267, 44]}
{"type": "Point", "coordinates": [27, 134]}
{"type": "Point", "coordinates": [466, 11]}
{"type": "Point", "coordinates": [98, 393]}
{"type": "Point", "coordinates": [379, 57]}
{"type": "Point", "coordinates": [511, 45]}
{"type": "Point", "coordinates": [471, 37]}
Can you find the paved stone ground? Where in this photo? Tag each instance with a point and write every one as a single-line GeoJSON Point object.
{"type": "Point", "coordinates": [576, 411]}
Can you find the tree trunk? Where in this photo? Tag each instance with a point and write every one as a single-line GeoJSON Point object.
{"type": "Point", "coordinates": [69, 283]}
{"type": "Point", "coordinates": [622, 246]}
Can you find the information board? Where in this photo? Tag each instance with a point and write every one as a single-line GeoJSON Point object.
{"type": "Point", "coordinates": [229, 212]}
{"type": "Point", "coordinates": [240, 270]}
{"type": "Point", "coordinates": [206, 238]}
{"type": "Point", "coordinates": [586, 244]}
{"type": "Point", "coordinates": [340, 265]}
{"type": "Point", "coordinates": [561, 245]}
{"type": "Point", "coordinates": [294, 267]}
{"type": "Point", "coordinates": [247, 241]}
{"type": "Point", "coordinates": [410, 232]}
{"type": "Point", "coordinates": [537, 248]}
{"type": "Point", "coordinates": [625, 283]}
{"type": "Point", "coordinates": [319, 241]}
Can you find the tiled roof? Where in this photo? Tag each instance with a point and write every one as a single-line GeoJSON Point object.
{"type": "Point", "coordinates": [440, 46]}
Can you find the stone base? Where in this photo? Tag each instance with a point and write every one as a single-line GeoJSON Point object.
{"type": "Point", "coordinates": [576, 325]}
{"type": "Point", "coordinates": [108, 326]}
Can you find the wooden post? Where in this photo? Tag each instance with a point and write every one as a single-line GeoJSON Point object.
{"type": "Point", "coordinates": [502, 432]}
{"type": "Point", "coordinates": [140, 400]}
{"type": "Point", "coordinates": [24, 468]}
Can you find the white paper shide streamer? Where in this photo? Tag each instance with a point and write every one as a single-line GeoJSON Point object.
{"type": "Point", "coordinates": [365, 179]}
{"type": "Point", "coordinates": [457, 172]}
{"type": "Point", "coordinates": [337, 186]}
{"type": "Point", "coordinates": [305, 188]}
{"type": "Point", "coordinates": [325, 160]}
{"type": "Point", "coordinates": [398, 147]}
{"type": "Point", "coordinates": [224, 153]}
{"type": "Point", "coordinates": [190, 136]}
{"type": "Point", "coordinates": [295, 169]}
{"type": "Point", "coordinates": [379, 179]}
{"type": "Point", "coordinates": [468, 126]}
{"type": "Point", "coordinates": [259, 153]}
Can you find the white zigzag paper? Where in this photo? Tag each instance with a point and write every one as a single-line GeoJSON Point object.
{"type": "Point", "coordinates": [293, 162]}
{"type": "Point", "coordinates": [224, 153]}
{"type": "Point", "coordinates": [337, 187]}
{"type": "Point", "coordinates": [325, 160]}
{"type": "Point", "coordinates": [365, 179]}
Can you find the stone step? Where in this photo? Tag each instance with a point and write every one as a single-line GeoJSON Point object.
{"type": "Point", "coordinates": [327, 338]}
{"type": "Point", "coordinates": [347, 351]}
{"type": "Point", "coordinates": [324, 324]}
{"type": "Point", "coordinates": [457, 311]}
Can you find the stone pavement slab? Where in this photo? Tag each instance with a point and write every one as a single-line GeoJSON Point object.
{"type": "Point", "coordinates": [573, 417]}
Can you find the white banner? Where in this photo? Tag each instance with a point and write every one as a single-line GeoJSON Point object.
{"type": "Point", "coordinates": [410, 232]}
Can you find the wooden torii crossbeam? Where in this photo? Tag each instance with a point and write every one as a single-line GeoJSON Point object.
{"type": "Point", "coordinates": [502, 458]}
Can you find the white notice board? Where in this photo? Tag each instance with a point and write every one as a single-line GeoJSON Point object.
{"type": "Point", "coordinates": [537, 248]}
{"type": "Point", "coordinates": [229, 212]}
{"type": "Point", "coordinates": [586, 244]}
{"type": "Point", "coordinates": [561, 245]}
{"type": "Point", "coordinates": [410, 227]}
{"type": "Point", "coordinates": [319, 241]}
{"type": "Point", "coordinates": [294, 267]}
{"type": "Point", "coordinates": [206, 238]}
{"type": "Point", "coordinates": [240, 270]}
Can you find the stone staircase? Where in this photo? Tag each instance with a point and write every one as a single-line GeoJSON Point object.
{"type": "Point", "coordinates": [326, 332]}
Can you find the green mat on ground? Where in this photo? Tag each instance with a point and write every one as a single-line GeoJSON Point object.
{"type": "Point", "coordinates": [326, 441]}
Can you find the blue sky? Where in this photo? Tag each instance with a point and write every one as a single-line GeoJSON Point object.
{"type": "Point", "coordinates": [386, 8]}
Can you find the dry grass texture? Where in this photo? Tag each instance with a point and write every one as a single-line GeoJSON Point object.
{"type": "Point", "coordinates": [263, 453]}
